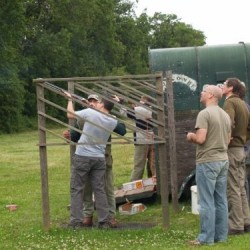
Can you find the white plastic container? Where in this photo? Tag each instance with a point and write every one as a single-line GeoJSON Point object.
{"type": "Point", "coordinates": [194, 200]}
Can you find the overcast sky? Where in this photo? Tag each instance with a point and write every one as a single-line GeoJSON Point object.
{"type": "Point", "coordinates": [222, 21]}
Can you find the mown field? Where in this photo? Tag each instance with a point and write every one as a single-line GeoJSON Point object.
{"type": "Point", "coordinates": [23, 229]}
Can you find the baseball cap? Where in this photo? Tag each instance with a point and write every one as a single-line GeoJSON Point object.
{"type": "Point", "coordinates": [93, 96]}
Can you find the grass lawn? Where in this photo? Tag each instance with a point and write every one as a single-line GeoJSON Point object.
{"type": "Point", "coordinates": [23, 228]}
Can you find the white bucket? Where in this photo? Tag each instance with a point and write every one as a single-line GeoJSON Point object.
{"type": "Point", "coordinates": [194, 200]}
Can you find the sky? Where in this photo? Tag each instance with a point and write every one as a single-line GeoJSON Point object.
{"type": "Point", "coordinates": [221, 21]}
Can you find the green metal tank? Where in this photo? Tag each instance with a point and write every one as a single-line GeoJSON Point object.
{"type": "Point", "coordinates": [193, 67]}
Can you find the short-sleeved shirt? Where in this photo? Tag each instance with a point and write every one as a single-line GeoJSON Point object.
{"type": "Point", "coordinates": [239, 114]}
{"type": "Point", "coordinates": [96, 132]}
{"type": "Point", "coordinates": [218, 125]}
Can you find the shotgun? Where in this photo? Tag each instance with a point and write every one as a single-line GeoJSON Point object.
{"type": "Point", "coordinates": [61, 90]}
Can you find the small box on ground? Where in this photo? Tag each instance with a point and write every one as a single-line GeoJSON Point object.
{"type": "Point", "coordinates": [129, 208]}
{"type": "Point", "coordinates": [12, 207]}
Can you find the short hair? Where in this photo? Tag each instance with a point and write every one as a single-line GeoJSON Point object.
{"type": "Point", "coordinates": [108, 105]}
{"type": "Point", "coordinates": [238, 88]}
{"type": "Point", "coordinates": [145, 98]}
{"type": "Point", "coordinates": [215, 90]}
{"type": "Point", "coordinates": [243, 91]}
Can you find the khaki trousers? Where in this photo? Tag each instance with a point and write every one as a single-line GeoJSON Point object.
{"type": "Point", "coordinates": [143, 153]}
{"type": "Point", "coordinates": [239, 215]}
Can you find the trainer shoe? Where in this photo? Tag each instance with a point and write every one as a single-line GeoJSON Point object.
{"type": "Point", "coordinates": [194, 242]}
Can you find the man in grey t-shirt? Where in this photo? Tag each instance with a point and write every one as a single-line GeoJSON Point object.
{"type": "Point", "coordinates": [89, 160]}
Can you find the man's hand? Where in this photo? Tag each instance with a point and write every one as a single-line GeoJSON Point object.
{"type": "Point", "coordinates": [199, 137]}
{"type": "Point", "coordinates": [66, 134]}
{"type": "Point", "coordinates": [116, 98]}
{"type": "Point", "coordinates": [67, 94]}
{"type": "Point", "coordinates": [190, 136]}
{"type": "Point", "coordinates": [85, 101]}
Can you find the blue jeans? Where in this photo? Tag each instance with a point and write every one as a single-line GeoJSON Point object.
{"type": "Point", "coordinates": [211, 179]}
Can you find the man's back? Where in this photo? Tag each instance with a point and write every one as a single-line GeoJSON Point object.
{"type": "Point", "coordinates": [217, 123]}
{"type": "Point", "coordinates": [96, 131]}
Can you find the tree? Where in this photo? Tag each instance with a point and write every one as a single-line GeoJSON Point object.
{"type": "Point", "coordinates": [169, 32]}
{"type": "Point", "coordinates": [11, 87]}
{"type": "Point", "coordinates": [48, 38]}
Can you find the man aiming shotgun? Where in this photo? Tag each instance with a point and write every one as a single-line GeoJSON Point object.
{"type": "Point", "coordinates": [89, 160]}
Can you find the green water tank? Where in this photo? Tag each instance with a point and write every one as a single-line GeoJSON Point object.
{"type": "Point", "coordinates": [193, 67]}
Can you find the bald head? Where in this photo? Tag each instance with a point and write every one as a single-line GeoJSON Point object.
{"type": "Point", "coordinates": [215, 91]}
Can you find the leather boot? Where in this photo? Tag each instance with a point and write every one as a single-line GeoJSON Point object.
{"type": "Point", "coordinates": [113, 222]}
{"type": "Point", "coordinates": [88, 221]}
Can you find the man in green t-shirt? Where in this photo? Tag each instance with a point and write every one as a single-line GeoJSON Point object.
{"type": "Point", "coordinates": [239, 215]}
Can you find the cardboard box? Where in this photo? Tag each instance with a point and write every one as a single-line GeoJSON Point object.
{"type": "Point", "coordinates": [129, 208]}
{"type": "Point", "coordinates": [149, 182]}
{"type": "Point", "coordinates": [12, 207]}
{"type": "Point", "coordinates": [132, 185]}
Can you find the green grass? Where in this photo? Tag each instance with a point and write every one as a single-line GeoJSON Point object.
{"type": "Point", "coordinates": [23, 229]}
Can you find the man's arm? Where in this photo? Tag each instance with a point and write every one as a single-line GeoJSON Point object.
{"type": "Point", "coordinates": [70, 107]}
{"type": "Point", "coordinates": [199, 137]}
{"type": "Point", "coordinates": [229, 137]}
{"type": "Point", "coordinates": [229, 108]}
{"type": "Point", "coordinates": [123, 111]}
{"type": "Point", "coordinates": [248, 128]}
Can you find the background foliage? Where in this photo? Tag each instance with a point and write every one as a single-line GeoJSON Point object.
{"type": "Point", "coordinates": [67, 38]}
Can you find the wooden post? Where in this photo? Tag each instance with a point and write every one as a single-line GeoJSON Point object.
{"type": "Point", "coordinates": [172, 140]}
{"type": "Point", "coordinates": [164, 190]}
{"type": "Point", "coordinates": [43, 157]}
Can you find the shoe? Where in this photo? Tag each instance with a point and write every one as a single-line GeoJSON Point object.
{"type": "Point", "coordinates": [75, 225]}
{"type": "Point", "coordinates": [235, 232]}
{"type": "Point", "coordinates": [107, 225]}
{"type": "Point", "coordinates": [88, 221]}
{"type": "Point", "coordinates": [247, 228]}
{"type": "Point", "coordinates": [194, 243]}
{"type": "Point", "coordinates": [104, 225]}
{"type": "Point", "coordinates": [113, 222]}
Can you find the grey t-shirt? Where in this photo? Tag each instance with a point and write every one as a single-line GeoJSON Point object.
{"type": "Point", "coordinates": [96, 131]}
{"type": "Point", "coordinates": [218, 125]}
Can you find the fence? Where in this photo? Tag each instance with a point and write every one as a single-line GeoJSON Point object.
{"type": "Point", "coordinates": [50, 102]}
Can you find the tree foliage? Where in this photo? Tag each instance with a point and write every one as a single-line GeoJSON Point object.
{"type": "Point", "coordinates": [12, 25]}
{"type": "Point", "coordinates": [66, 38]}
